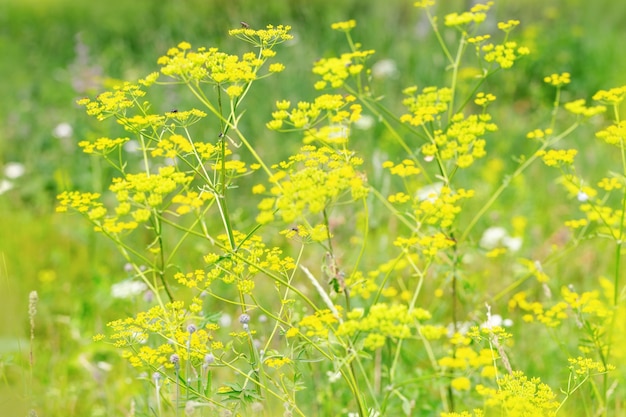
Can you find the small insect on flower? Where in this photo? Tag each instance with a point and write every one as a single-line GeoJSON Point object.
{"type": "Point", "coordinates": [245, 25]}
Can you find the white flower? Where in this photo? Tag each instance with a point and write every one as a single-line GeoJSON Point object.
{"type": "Point", "coordinates": [365, 122]}
{"type": "Point", "coordinates": [430, 192]}
{"type": "Point", "coordinates": [105, 366]}
{"type": "Point", "coordinates": [128, 289]}
{"type": "Point", "coordinates": [14, 170]}
{"type": "Point", "coordinates": [63, 130]}
{"type": "Point", "coordinates": [497, 236]}
{"type": "Point", "coordinates": [496, 320]}
{"type": "Point", "coordinates": [512, 243]}
{"type": "Point", "coordinates": [333, 376]}
{"type": "Point", "coordinates": [492, 237]}
{"type": "Point", "coordinates": [385, 68]}
{"type": "Point", "coordinates": [339, 131]}
{"type": "Point", "coordinates": [462, 327]}
{"type": "Point", "coordinates": [131, 146]}
{"type": "Point", "coordinates": [5, 185]}
{"type": "Point", "coordinates": [225, 320]}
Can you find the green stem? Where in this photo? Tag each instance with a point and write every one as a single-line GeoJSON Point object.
{"type": "Point", "coordinates": [507, 180]}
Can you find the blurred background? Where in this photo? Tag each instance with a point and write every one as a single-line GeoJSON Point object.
{"type": "Point", "coordinates": [55, 51]}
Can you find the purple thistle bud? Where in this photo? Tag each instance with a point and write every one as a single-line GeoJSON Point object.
{"type": "Point", "coordinates": [148, 296]}
{"type": "Point", "coordinates": [175, 359]}
{"type": "Point", "coordinates": [244, 319]}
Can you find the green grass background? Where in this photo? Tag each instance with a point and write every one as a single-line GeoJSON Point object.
{"type": "Point", "coordinates": [40, 66]}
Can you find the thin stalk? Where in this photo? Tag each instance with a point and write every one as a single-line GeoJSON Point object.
{"type": "Point", "coordinates": [508, 179]}
{"type": "Point", "coordinates": [221, 196]}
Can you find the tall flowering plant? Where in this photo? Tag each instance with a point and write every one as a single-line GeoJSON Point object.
{"type": "Point", "coordinates": [337, 317]}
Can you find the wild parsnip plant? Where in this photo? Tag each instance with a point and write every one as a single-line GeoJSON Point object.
{"type": "Point", "coordinates": [335, 316]}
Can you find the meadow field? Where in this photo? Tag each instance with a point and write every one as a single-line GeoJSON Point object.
{"type": "Point", "coordinates": [312, 208]}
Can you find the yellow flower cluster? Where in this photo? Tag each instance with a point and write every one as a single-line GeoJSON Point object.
{"type": "Point", "coordinates": [536, 312]}
{"type": "Point", "coordinates": [172, 147]}
{"type": "Point", "coordinates": [557, 157]}
{"type": "Point", "coordinates": [558, 80]}
{"type": "Point", "coordinates": [610, 184]}
{"type": "Point", "coordinates": [519, 396]}
{"type": "Point", "coordinates": [219, 68]}
{"type": "Point", "coordinates": [81, 202]}
{"type": "Point", "coordinates": [263, 38]}
{"type": "Point", "coordinates": [433, 332]}
{"type": "Point", "coordinates": [319, 324]}
{"type": "Point", "coordinates": [185, 118]}
{"type": "Point", "coordinates": [142, 122]}
{"type": "Point", "coordinates": [476, 15]}
{"type": "Point", "coordinates": [487, 333]}
{"type": "Point", "coordinates": [137, 195]}
{"type": "Point", "coordinates": [307, 233]}
{"type": "Point", "coordinates": [337, 133]}
{"type": "Point", "coordinates": [404, 169]}
{"type": "Point", "coordinates": [423, 107]}
{"type": "Point", "coordinates": [209, 65]}
{"type": "Point", "coordinates": [399, 198]}
{"type": "Point", "coordinates": [305, 115]}
{"type": "Point", "coordinates": [578, 107]}
{"type": "Point", "coordinates": [462, 142]}
{"type": "Point", "coordinates": [144, 192]}
{"type": "Point", "coordinates": [344, 26]}
{"type": "Point", "coordinates": [102, 146]}
{"type": "Point", "coordinates": [504, 55]}
{"type": "Point", "coordinates": [277, 361]}
{"type": "Point", "coordinates": [429, 245]}
{"type": "Point", "coordinates": [382, 321]}
{"type": "Point", "coordinates": [233, 167]}
{"type": "Point", "coordinates": [609, 221]}
{"type": "Point", "coordinates": [310, 181]}
{"type": "Point", "coordinates": [162, 331]}
{"type": "Point", "coordinates": [611, 97]}
{"type": "Point", "coordinates": [252, 256]}
{"type": "Point", "coordinates": [190, 201]}
{"type": "Point", "coordinates": [576, 223]}
{"type": "Point", "coordinates": [508, 25]}
{"type": "Point", "coordinates": [586, 366]}
{"type": "Point", "coordinates": [336, 70]}
{"type": "Point", "coordinates": [575, 186]}
{"type": "Point", "coordinates": [180, 147]}
{"type": "Point", "coordinates": [614, 135]}
{"type": "Point", "coordinates": [539, 134]}
{"type": "Point", "coordinates": [442, 210]}
{"type": "Point", "coordinates": [116, 102]}
{"type": "Point", "coordinates": [478, 40]}
{"type": "Point", "coordinates": [483, 99]}
{"type": "Point", "coordinates": [466, 358]}
{"type": "Point", "coordinates": [424, 3]}
{"type": "Point", "coordinates": [587, 304]}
